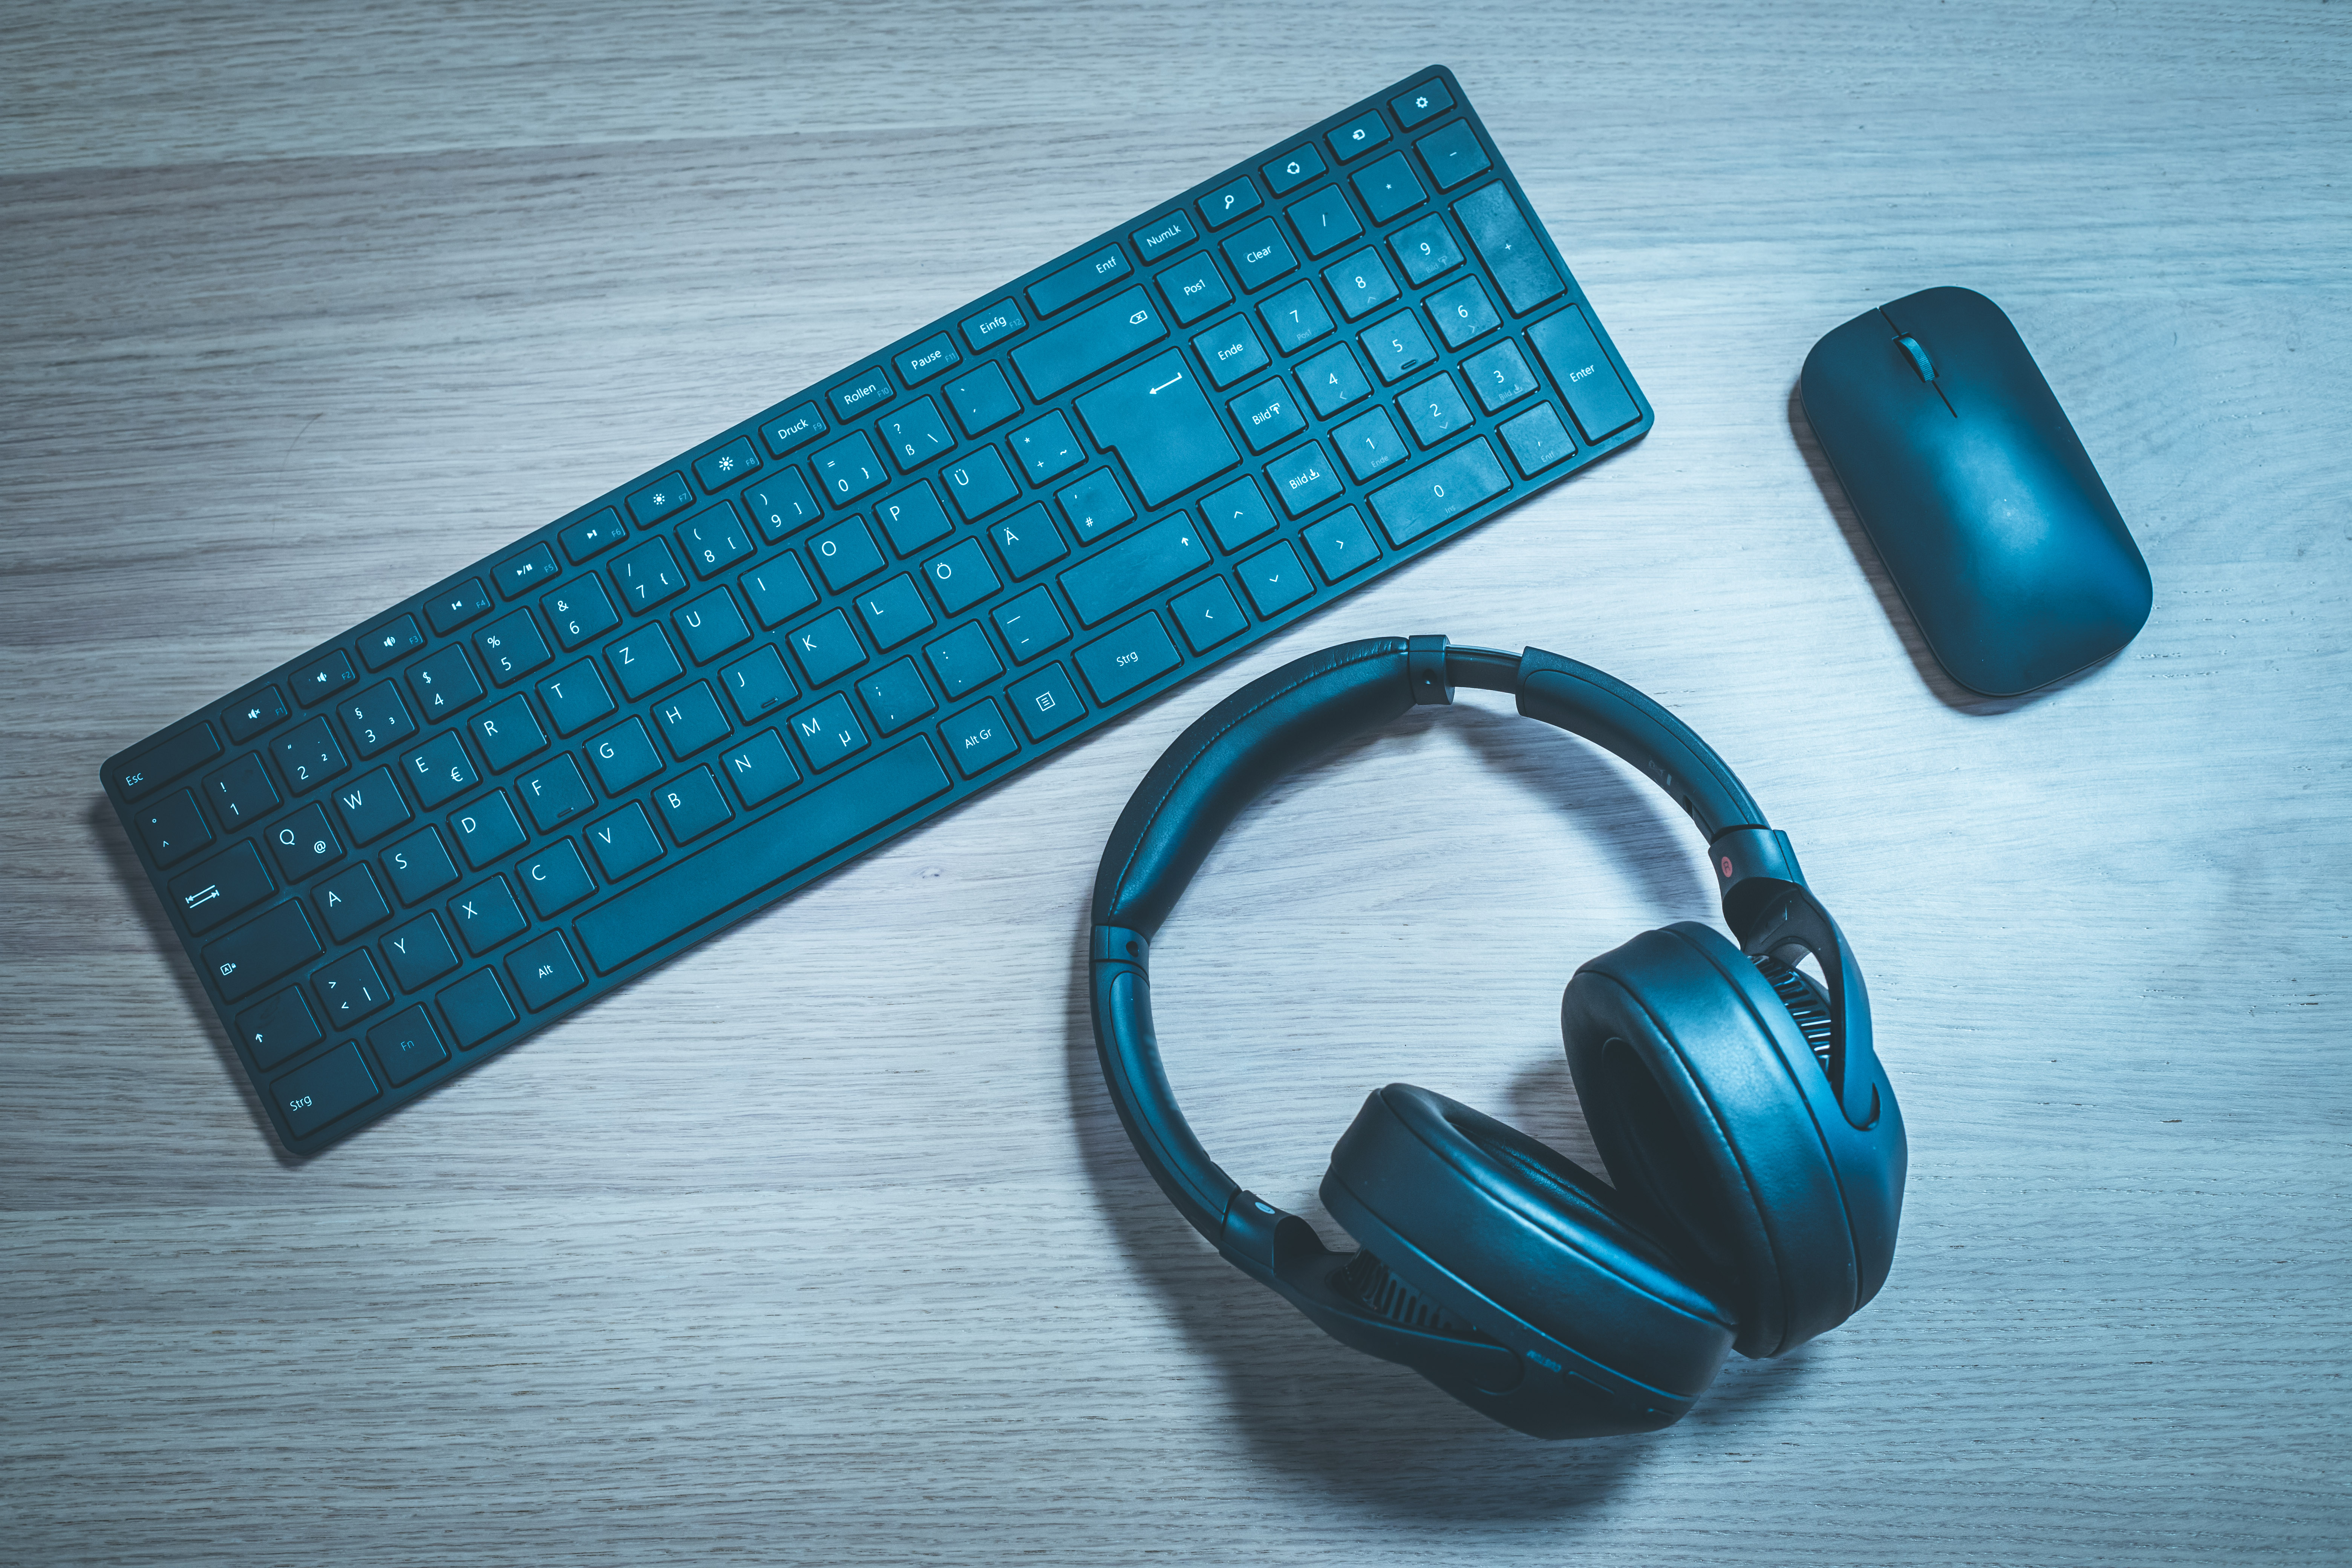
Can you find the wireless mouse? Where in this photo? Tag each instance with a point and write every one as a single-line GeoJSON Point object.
{"type": "Point", "coordinates": [1998, 533]}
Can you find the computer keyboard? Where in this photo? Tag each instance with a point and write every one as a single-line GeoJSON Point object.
{"type": "Point", "coordinates": [485, 806]}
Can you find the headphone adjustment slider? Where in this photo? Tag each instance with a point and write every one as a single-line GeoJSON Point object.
{"type": "Point", "coordinates": [1424, 663]}
{"type": "Point", "coordinates": [1117, 944]}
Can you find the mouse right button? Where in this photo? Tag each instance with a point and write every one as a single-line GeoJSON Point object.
{"type": "Point", "coordinates": [1595, 395]}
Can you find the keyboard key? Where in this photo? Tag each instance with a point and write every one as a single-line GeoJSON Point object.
{"type": "Point", "coordinates": [454, 607]}
{"type": "Point", "coordinates": [1499, 377]}
{"type": "Point", "coordinates": [475, 1008]}
{"type": "Point", "coordinates": [849, 468]}
{"type": "Point", "coordinates": [1207, 616]}
{"type": "Point", "coordinates": [419, 953]}
{"type": "Point", "coordinates": [1424, 102]}
{"type": "Point", "coordinates": [913, 518]}
{"type": "Point", "coordinates": [517, 574]}
{"type": "Point", "coordinates": [1435, 409]}
{"type": "Point", "coordinates": [1161, 425]}
{"type": "Point", "coordinates": [829, 731]}
{"type": "Point", "coordinates": [279, 1027]}
{"type": "Point", "coordinates": [1095, 505]}
{"type": "Point", "coordinates": [1028, 540]}
{"type": "Point", "coordinates": [782, 504]}
{"type": "Point", "coordinates": [1509, 248]}
{"type": "Point", "coordinates": [1425, 250]}
{"type": "Point", "coordinates": [554, 794]}
{"type": "Point", "coordinates": [1296, 317]}
{"type": "Point", "coordinates": [1267, 415]}
{"type": "Point", "coordinates": [443, 683]}
{"type": "Point", "coordinates": [1388, 187]}
{"type": "Point", "coordinates": [1536, 439]}
{"type": "Point", "coordinates": [370, 806]}
{"type": "Point", "coordinates": [760, 769]}
{"type": "Point", "coordinates": [867, 391]}
{"type": "Point", "coordinates": [1325, 221]}
{"type": "Point", "coordinates": [1057, 291]}
{"type": "Point", "coordinates": [334, 1086]}
{"type": "Point", "coordinates": [981, 400]}
{"type": "Point", "coordinates": [935, 355]}
{"type": "Point", "coordinates": [1163, 237]}
{"type": "Point", "coordinates": [486, 916]}
{"type": "Point", "coordinates": [1194, 288]}
{"type": "Point", "coordinates": [1045, 701]}
{"type": "Point", "coordinates": [544, 972]}
{"type": "Point", "coordinates": [419, 866]}
{"type": "Point", "coordinates": [397, 641]}
{"type": "Point", "coordinates": [554, 880]}
{"type": "Point", "coordinates": [624, 756]}
{"type": "Point", "coordinates": [349, 989]}
{"type": "Point", "coordinates": [1286, 174]}
{"type": "Point", "coordinates": [1359, 136]}
{"type": "Point", "coordinates": [1340, 544]}
{"type": "Point", "coordinates": [261, 950]}
{"type": "Point", "coordinates": [979, 484]}
{"type": "Point", "coordinates": [1046, 449]}
{"type": "Point", "coordinates": [962, 577]}
{"type": "Point", "coordinates": [1369, 443]}
{"type": "Point", "coordinates": [626, 840]}
{"type": "Point", "coordinates": [794, 429]}
{"type": "Point", "coordinates": [1453, 154]}
{"type": "Point", "coordinates": [778, 590]}
{"type": "Point", "coordinates": [1397, 346]}
{"type": "Point", "coordinates": [1260, 255]}
{"type": "Point", "coordinates": [487, 829]}
{"type": "Point", "coordinates": [406, 1044]}
{"type": "Point", "coordinates": [895, 696]}
{"type": "Point", "coordinates": [511, 646]}
{"type": "Point", "coordinates": [822, 823]}
{"type": "Point", "coordinates": [308, 755]}
{"type": "Point", "coordinates": [173, 828]}
{"type": "Point", "coordinates": [579, 612]}
{"type": "Point", "coordinates": [1332, 380]}
{"type": "Point", "coordinates": [1273, 578]}
{"type": "Point", "coordinates": [692, 805]}
{"type": "Point", "coordinates": [709, 626]}
{"type": "Point", "coordinates": [663, 496]}
{"type": "Point", "coordinates": [993, 325]}
{"type": "Point", "coordinates": [241, 792]}
{"type": "Point", "coordinates": [962, 660]}
{"type": "Point", "coordinates": [594, 534]}
{"type": "Point", "coordinates": [1089, 342]}
{"type": "Point", "coordinates": [1110, 580]}
{"type": "Point", "coordinates": [758, 683]}
{"type": "Point", "coordinates": [643, 661]}
{"type": "Point", "coordinates": [376, 720]}
{"type": "Point", "coordinates": [228, 884]}
{"type": "Point", "coordinates": [690, 719]}
{"type": "Point", "coordinates": [1441, 490]}
{"type": "Point", "coordinates": [723, 467]}
{"type": "Point", "coordinates": [713, 539]}
{"type": "Point", "coordinates": [350, 902]}
{"type": "Point", "coordinates": [1361, 284]}
{"type": "Point", "coordinates": [1229, 202]}
{"type": "Point", "coordinates": [1138, 652]}
{"type": "Point", "coordinates": [1230, 351]}
{"type": "Point", "coordinates": [1030, 624]}
{"type": "Point", "coordinates": [979, 738]}
{"type": "Point", "coordinates": [916, 434]}
{"type": "Point", "coordinates": [1303, 479]}
{"type": "Point", "coordinates": [508, 733]}
{"type": "Point", "coordinates": [1462, 312]}
{"type": "Point", "coordinates": [894, 611]}
{"type": "Point", "coordinates": [1237, 513]}
{"type": "Point", "coordinates": [325, 678]}
{"type": "Point", "coordinates": [1595, 395]}
{"type": "Point", "coordinates": [265, 709]}
{"type": "Point", "coordinates": [826, 649]}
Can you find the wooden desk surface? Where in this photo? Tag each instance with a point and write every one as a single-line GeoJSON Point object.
{"type": "Point", "coordinates": [822, 1246]}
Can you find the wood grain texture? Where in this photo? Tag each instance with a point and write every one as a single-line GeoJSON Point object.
{"type": "Point", "coordinates": [822, 1244]}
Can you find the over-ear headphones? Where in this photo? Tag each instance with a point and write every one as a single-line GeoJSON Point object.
{"type": "Point", "coordinates": [1755, 1144]}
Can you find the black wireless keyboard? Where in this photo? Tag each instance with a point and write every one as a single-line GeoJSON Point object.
{"type": "Point", "coordinates": [491, 804]}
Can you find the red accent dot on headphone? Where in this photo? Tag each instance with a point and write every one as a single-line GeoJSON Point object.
{"type": "Point", "coordinates": [1726, 865]}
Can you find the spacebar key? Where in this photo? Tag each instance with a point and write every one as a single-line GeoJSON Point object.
{"type": "Point", "coordinates": [756, 857]}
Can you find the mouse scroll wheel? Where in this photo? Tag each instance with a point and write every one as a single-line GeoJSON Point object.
{"type": "Point", "coordinates": [1919, 360]}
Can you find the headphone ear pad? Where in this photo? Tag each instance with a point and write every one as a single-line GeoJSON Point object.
{"type": "Point", "coordinates": [1693, 1074]}
{"type": "Point", "coordinates": [1496, 1231]}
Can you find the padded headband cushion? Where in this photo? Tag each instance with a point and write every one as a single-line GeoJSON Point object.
{"type": "Point", "coordinates": [1228, 758]}
{"type": "Point", "coordinates": [1689, 1069]}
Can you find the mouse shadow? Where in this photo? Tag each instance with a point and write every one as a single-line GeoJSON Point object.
{"type": "Point", "coordinates": [1946, 690]}
{"type": "Point", "coordinates": [1356, 1428]}
{"type": "Point", "coordinates": [106, 835]}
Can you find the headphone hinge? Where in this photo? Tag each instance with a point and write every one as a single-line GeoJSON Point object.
{"type": "Point", "coordinates": [1117, 944]}
{"type": "Point", "coordinates": [1752, 866]}
{"type": "Point", "coordinates": [1425, 663]}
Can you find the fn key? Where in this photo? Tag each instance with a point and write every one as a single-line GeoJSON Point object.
{"type": "Point", "coordinates": [335, 1085]}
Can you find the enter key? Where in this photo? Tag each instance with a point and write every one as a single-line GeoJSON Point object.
{"type": "Point", "coordinates": [1159, 423]}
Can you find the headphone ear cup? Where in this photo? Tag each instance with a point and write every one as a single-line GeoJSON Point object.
{"type": "Point", "coordinates": [1688, 1067]}
{"type": "Point", "coordinates": [1474, 1222]}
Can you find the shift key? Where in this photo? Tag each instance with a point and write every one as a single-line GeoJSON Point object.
{"type": "Point", "coordinates": [1110, 582]}
{"type": "Point", "coordinates": [261, 950]}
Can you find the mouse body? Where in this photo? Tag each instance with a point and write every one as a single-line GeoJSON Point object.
{"type": "Point", "coordinates": [1995, 526]}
